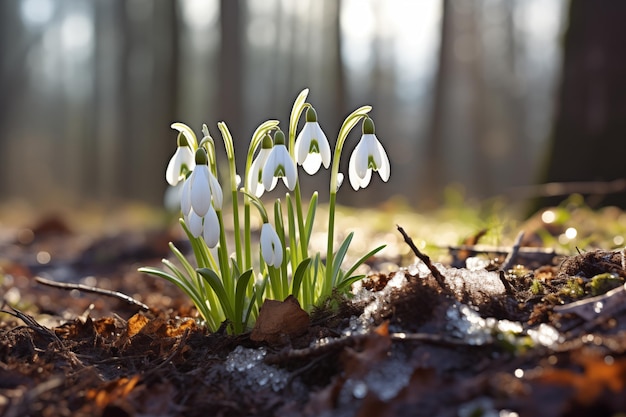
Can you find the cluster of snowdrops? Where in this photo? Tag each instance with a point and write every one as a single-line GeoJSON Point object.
{"type": "Point", "coordinates": [230, 283]}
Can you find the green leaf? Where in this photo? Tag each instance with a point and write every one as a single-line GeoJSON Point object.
{"type": "Point", "coordinates": [214, 281]}
{"type": "Point", "coordinates": [240, 297]}
{"type": "Point", "coordinates": [299, 275]}
{"type": "Point", "coordinates": [310, 218]}
{"type": "Point", "coordinates": [362, 259]}
{"type": "Point", "coordinates": [338, 258]}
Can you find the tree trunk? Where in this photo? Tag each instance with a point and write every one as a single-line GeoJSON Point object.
{"type": "Point", "coordinates": [590, 128]}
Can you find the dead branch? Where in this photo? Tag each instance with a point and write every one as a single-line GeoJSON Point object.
{"type": "Point", "coordinates": [510, 258]}
{"type": "Point", "coordinates": [441, 280]}
{"type": "Point", "coordinates": [82, 287]}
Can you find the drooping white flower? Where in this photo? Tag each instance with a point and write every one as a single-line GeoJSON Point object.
{"type": "Point", "coordinates": [368, 155]}
{"type": "Point", "coordinates": [271, 248]}
{"type": "Point", "coordinates": [254, 182]}
{"type": "Point", "coordinates": [201, 189]}
{"type": "Point", "coordinates": [182, 161]}
{"type": "Point", "coordinates": [279, 165]}
{"type": "Point", "coordinates": [312, 148]}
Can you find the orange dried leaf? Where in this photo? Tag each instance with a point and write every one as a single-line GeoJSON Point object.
{"type": "Point", "coordinates": [113, 391]}
{"type": "Point", "coordinates": [135, 324]}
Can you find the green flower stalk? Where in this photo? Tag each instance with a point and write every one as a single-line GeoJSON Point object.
{"type": "Point", "coordinates": [230, 287]}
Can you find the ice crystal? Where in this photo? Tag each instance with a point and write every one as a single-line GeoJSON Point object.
{"type": "Point", "coordinates": [253, 372]}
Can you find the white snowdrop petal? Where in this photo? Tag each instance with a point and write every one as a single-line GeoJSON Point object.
{"type": "Point", "coordinates": [303, 143]}
{"type": "Point", "coordinates": [172, 172]}
{"type": "Point", "coordinates": [352, 175]}
{"type": "Point", "coordinates": [291, 173]}
{"type": "Point", "coordinates": [253, 184]}
{"type": "Point", "coordinates": [312, 163]}
{"type": "Point", "coordinates": [211, 233]}
{"type": "Point", "coordinates": [268, 171]}
{"type": "Point", "coordinates": [216, 191]}
{"type": "Point", "coordinates": [194, 222]}
{"type": "Point", "coordinates": [185, 197]}
{"type": "Point", "coordinates": [385, 168]}
{"type": "Point", "coordinates": [200, 190]}
{"type": "Point", "coordinates": [361, 158]}
{"type": "Point", "coordinates": [324, 146]}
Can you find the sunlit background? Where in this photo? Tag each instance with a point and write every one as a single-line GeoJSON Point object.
{"type": "Point", "coordinates": [90, 88]}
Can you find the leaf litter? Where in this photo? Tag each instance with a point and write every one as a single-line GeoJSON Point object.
{"type": "Point", "coordinates": [541, 338]}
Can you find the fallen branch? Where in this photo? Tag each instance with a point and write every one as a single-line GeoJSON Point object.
{"type": "Point", "coordinates": [441, 280]}
{"type": "Point", "coordinates": [510, 258]}
{"type": "Point", "coordinates": [82, 287]}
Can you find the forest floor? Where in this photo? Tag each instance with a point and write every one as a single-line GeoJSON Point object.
{"type": "Point", "coordinates": [503, 324]}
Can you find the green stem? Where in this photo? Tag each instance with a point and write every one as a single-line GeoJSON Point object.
{"type": "Point", "coordinates": [246, 235]}
{"type": "Point", "coordinates": [222, 252]}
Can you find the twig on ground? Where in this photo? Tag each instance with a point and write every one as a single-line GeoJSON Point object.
{"type": "Point", "coordinates": [82, 287]}
{"type": "Point", "coordinates": [508, 288]}
{"type": "Point", "coordinates": [510, 258]}
{"type": "Point", "coordinates": [441, 280]}
{"type": "Point", "coordinates": [31, 323]}
{"type": "Point", "coordinates": [352, 340]}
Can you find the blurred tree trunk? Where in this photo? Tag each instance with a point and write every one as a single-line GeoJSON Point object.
{"type": "Point", "coordinates": [15, 43]}
{"type": "Point", "coordinates": [590, 128]}
{"type": "Point", "coordinates": [110, 61]}
{"type": "Point", "coordinates": [455, 147]}
{"type": "Point", "coordinates": [230, 108]}
{"type": "Point", "coordinates": [433, 168]}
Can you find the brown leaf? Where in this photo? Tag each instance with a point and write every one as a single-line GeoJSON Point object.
{"type": "Point", "coordinates": [279, 321]}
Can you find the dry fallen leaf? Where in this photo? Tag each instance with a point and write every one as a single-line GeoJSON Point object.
{"type": "Point", "coordinates": [279, 321]}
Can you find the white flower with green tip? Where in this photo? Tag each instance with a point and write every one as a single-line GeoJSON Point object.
{"type": "Point", "coordinates": [271, 248]}
{"type": "Point", "coordinates": [181, 162]}
{"type": "Point", "coordinates": [254, 181]}
{"type": "Point", "coordinates": [312, 148]}
{"type": "Point", "coordinates": [368, 155]}
{"type": "Point", "coordinates": [279, 165]}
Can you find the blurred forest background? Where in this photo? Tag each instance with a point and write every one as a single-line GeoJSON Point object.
{"type": "Point", "coordinates": [491, 95]}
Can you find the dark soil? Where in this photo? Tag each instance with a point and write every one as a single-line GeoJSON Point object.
{"type": "Point", "coordinates": [74, 353]}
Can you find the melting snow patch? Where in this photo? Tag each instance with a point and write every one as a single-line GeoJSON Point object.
{"type": "Point", "coordinates": [248, 363]}
{"type": "Point", "coordinates": [377, 301]}
{"type": "Point", "coordinates": [385, 381]}
{"type": "Point", "coordinates": [465, 323]}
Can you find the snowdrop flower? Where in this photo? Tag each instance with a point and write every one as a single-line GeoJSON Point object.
{"type": "Point", "coordinates": [271, 248]}
{"type": "Point", "coordinates": [279, 165]}
{"type": "Point", "coordinates": [201, 188]}
{"type": "Point", "coordinates": [312, 148]}
{"type": "Point", "coordinates": [369, 155]}
{"type": "Point", "coordinates": [255, 180]}
{"type": "Point", "coordinates": [182, 161]}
